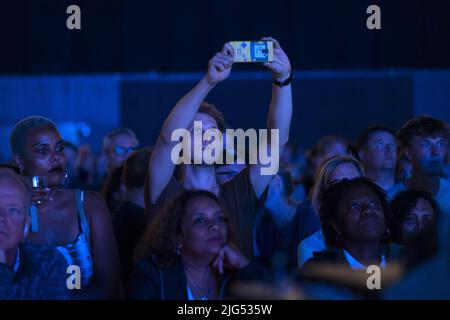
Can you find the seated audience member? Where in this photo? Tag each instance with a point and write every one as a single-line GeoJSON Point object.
{"type": "Point", "coordinates": [113, 190]}
{"type": "Point", "coordinates": [331, 146]}
{"type": "Point", "coordinates": [377, 151]}
{"type": "Point", "coordinates": [74, 222]}
{"type": "Point", "coordinates": [414, 217]}
{"type": "Point", "coordinates": [428, 280]}
{"type": "Point", "coordinates": [332, 170]}
{"type": "Point", "coordinates": [187, 252]}
{"type": "Point", "coordinates": [240, 196]}
{"type": "Point", "coordinates": [327, 147]}
{"type": "Point", "coordinates": [130, 220]}
{"type": "Point", "coordinates": [283, 224]}
{"type": "Point", "coordinates": [27, 272]}
{"type": "Point", "coordinates": [424, 140]}
{"type": "Point", "coordinates": [355, 215]}
{"type": "Point", "coordinates": [117, 145]}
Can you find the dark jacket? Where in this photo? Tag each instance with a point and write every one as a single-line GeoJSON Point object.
{"type": "Point", "coordinates": [345, 283]}
{"type": "Point", "coordinates": [279, 244]}
{"type": "Point", "coordinates": [129, 223]}
{"type": "Point", "coordinates": [41, 275]}
{"type": "Point", "coordinates": [151, 281]}
{"type": "Point", "coordinates": [391, 251]}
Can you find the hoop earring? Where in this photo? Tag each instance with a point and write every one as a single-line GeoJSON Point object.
{"type": "Point", "coordinates": [64, 184]}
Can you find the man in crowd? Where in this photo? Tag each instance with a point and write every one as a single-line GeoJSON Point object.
{"type": "Point", "coordinates": [377, 151]}
{"type": "Point", "coordinates": [26, 271]}
{"type": "Point", "coordinates": [424, 140]}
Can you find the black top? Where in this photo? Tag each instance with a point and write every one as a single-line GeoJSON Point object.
{"type": "Point", "coordinates": [278, 245]}
{"type": "Point", "coordinates": [151, 281]}
{"type": "Point", "coordinates": [391, 251]}
{"type": "Point", "coordinates": [129, 223]}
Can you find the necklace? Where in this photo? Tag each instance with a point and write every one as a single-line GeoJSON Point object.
{"type": "Point", "coordinates": [207, 292]}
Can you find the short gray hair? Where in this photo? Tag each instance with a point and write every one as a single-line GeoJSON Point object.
{"type": "Point", "coordinates": [21, 128]}
{"type": "Point", "coordinates": [10, 173]}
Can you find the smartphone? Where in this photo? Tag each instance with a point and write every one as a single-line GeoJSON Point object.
{"type": "Point", "coordinates": [252, 51]}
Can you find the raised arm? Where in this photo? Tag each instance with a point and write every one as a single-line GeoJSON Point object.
{"type": "Point", "coordinates": [280, 113]}
{"type": "Point", "coordinates": [161, 166]}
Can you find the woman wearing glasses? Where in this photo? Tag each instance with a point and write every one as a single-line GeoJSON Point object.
{"type": "Point", "coordinates": [187, 253]}
{"type": "Point", "coordinates": [75, 223]}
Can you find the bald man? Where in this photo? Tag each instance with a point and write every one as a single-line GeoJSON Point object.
{"type": "Point", "coordinates": [26, 271]}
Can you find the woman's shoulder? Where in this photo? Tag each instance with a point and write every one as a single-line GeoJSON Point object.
{"type": "Point", "coordinates": [93, 202]}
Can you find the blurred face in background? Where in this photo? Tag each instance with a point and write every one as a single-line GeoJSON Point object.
{"type": "Point", "coordinates": [345, 170]}
{"type": "Point", "coordinates": [420, 217]}
{"type": "Point", "coordinates": [380, 152]}
{"type": "Point", "coordinates": [118, 150]}
{"type": "Point", "coordinates": [335, 149]}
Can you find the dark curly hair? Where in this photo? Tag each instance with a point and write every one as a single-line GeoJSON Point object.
{"type": "Point", "coordinates": [160, 239]}
{"type": "Point", "coordinates": [422, 126]}
{"type": "Point", "coordinates": [331, 198]}
{"type": "Point", "coordinates": [402, 204]}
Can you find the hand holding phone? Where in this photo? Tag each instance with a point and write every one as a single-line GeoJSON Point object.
{"type": "Point", "coordinates": [253, 51]}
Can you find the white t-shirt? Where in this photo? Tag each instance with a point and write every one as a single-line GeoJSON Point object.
{"type": "Point", "coordinates": [307, 247]}
{"type": "Point", "coordinates": [356, 265]}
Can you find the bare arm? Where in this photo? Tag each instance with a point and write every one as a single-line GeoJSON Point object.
{"type": "Point", "coordinates": [105, 283]}
{"type": "Point", "coordinates": [181, 117]}
{"type": "Point", "coordinates": [280, 114]}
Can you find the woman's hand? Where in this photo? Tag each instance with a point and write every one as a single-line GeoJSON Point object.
{"type": "Point", "coordinates": [280, 66]}
{"type": "Point", "coordinates": [40, 195]}
{"type": "Point", "coordinates": [230, 258]}
{"type": "Point", "coordinates": [219, 66]}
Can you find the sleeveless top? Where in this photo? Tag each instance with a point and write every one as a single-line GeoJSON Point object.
{"type": "Point", "coordinates": [79, 252]}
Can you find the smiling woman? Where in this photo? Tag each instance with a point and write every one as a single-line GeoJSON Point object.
{"type": "Point", "coordinates": [75, 223]}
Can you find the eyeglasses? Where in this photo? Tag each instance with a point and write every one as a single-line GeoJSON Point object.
{"type": "Point", "coordinates": [123, 151]}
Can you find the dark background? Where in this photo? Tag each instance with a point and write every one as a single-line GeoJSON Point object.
{"type": "Point", "coordinates": [133, 59]}
{"type": "Point", "coordinates": [170, 35]}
